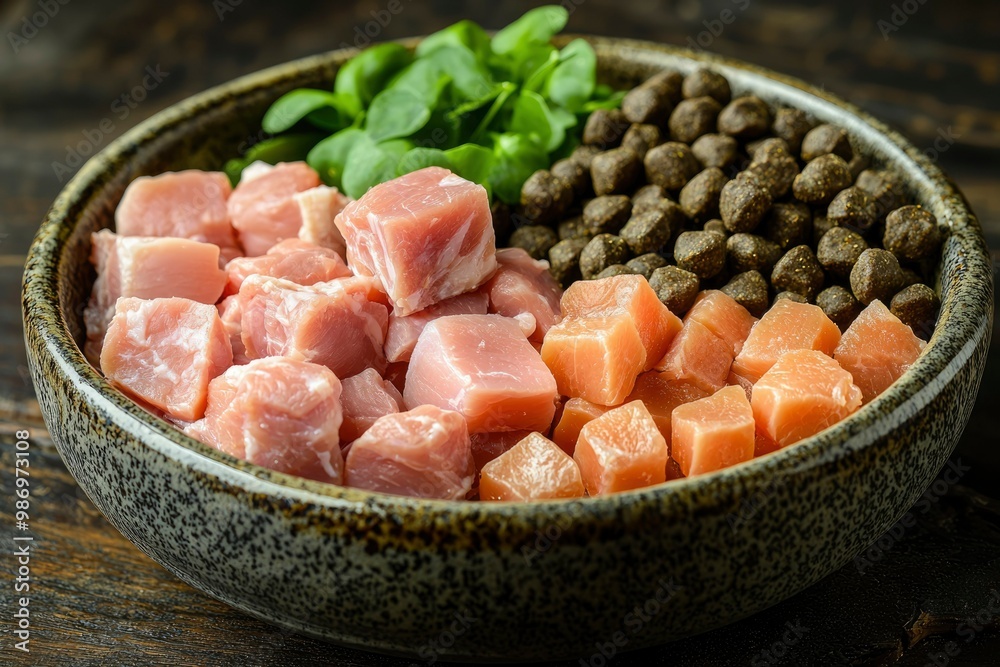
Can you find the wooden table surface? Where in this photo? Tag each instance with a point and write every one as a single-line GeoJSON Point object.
{"type": "Point", "coordinates": [931, 69]}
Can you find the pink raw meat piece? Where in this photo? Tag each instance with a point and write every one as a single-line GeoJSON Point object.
{"type": "Point", "coordinates": [188, 204]}
{"type": "Point", "coordinates": [277, 413]}
{"type": "Point", "coordinates": [264, 210]}
{"type": "Point", "coordinates": [483, 367]}
{"type": "Point", "coordinates": [366, 397]}
{"type": "Point", "coordinates": [332, 323]}
{"type": "Point", "coordinates": [231, 313]}
{"type": "Point", "coordinates": [523, 286]}
{"type": "Point", "coordinates": [423, 453]}
{"type": "Point", "coordinates": [318, 208]}
{"type": "Point", "coordinates": [426, 236]}
{"type": "Point", "coordinates": [404, 331]}
{"type": "Point", "coordinates": [294, 260]}
{"type": "Point", "coordinates": [147, 267]}
{"type": "Point", "coordinates": [165, 352]}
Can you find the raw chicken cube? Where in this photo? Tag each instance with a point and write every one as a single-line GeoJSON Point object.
{"type": "Point", "coordinates": [576, 414]}
{"type": "Point", "coordinates": [165, 352]}
{"type": "Point", "coordinates": [621, 450]}
{"type": "Point", "coordinates": [720, 314]}
{"type": "Point", "coordinates": [661, 394]}
{"type": "Point", "coordinates": [523, 286]}
{"type": "Point", "coordinates": [332, 323]}
{"type": "Point", "coordinates": [803, 393]}
{"type": "Point", "coordinates": [403, 332]}
{"type": "Point", "coordinates": [277, 413]}
{"type": "Point", "coordinates": [366, 397]}
{"type": "Point", "coordinates": [488, 446]}
{"type": "Point", "coordinates": [264, 210]}
{"type": "Point", "coordinates": [318, 207]}
{"type": "Point", "coordinates": [699, 357]}
{"type": "Point", "coordinates": [597, 358]}
{"type": "Point", "coordinates": [713, 433]}
{"type": "Point", "coordinates": [788, 325]}
{"type": "Point", "coordinates": [534, 469]}
{"type": "Point", "coordinates": [424, 453]}
{"type": "Point", "coordinates": [877, 349]}
{"type": "Point", "coordinates": [630, 295]}
{"type": "Point", "coordinates": [426, 236]}
{"type": "Point", "coordinates": [296, 261]}
{"type": "Point", "coordinates": [231, 313]}
{"type": "Point", "coordinates": [189, 204]}
{"type": "Point", "coordinates": [483, 367]}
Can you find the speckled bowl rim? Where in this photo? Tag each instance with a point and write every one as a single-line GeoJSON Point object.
{"type": "Point", "coordinates": [951, 346]}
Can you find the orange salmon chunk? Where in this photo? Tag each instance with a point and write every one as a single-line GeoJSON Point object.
{"type": "Point", "coordinates": [787, 326]}
{"type": "Point", "coordinates": [596, 359]}
{"type": "Point", "coordinates": [720, 314]}
{"type": "Point", "coordinates": [713, 433]}
{"type": "Point", "coordinates": [576, 414]}
{"type": "Point", "coordinates": [803, 393]}
{"type": "Point", "coordinates": [621, 450]}
{"type": "Point", "coordinates": [876, 349]}
{"type": "Point", "coordinates": [533, 469]}
{"type": "Point", "coordinates": [699, 357]}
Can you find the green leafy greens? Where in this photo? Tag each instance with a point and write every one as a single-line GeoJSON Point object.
{"type": "Point", "coordinates": [491, 110]}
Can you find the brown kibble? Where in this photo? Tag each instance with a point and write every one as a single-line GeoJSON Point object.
{"type": "Point", "coordinates": [573, 228]}
{"type": "Point", "coordinates": [839, 305]}
{"type": "Point", "coordinates": [647, 231]}
{"type": "Point", "coordinates": [676, 288]}
{"type": "Point", "coordinates": [647, 195]}
{"type": "Point", "coordinates": [564, 260]}
{"type": "Point", "coordinates": [535, 239]}
{"type": "Point", "coordinates": [792, 125]}
{"type": "Point", "coordinates": [670, 165]}
{"type": "Point", "coordinates": [693, 118]}
{"type": "Point", "coordinates": [749, 289]}
{"type": "Point", "coordinates": [912, 233]}
{"type": "Point", "coordinates": [605, 128]}
{"type": "Point", "coordinates": [826, 139]}
{"type": "Point", "coordinates": [615, 171]}
{"type": "Point", "coordinates": [885, 188]}
{"type": "Point", "coordinates": [699, 198]}
{"type": "Point", "coordinates": [745, 118]}
{"type": "Point", "coordinates": [716, 227]}
{"type": "Point", "coordinates": [601, 252]}
{"type": "Point", "coordinates": [715, 150]}
{"type": "Point", "coordinates": [615, 270]}
{"type": "Point", "coordinates": [852, 208]}
{"type": "Point", "coordinates": [773, 168]}
{"type": "Point", "coordinates": [749, 252]}
{"type": "Point", "coordinates": [821, 225]}
{"type": "Point", "coordinates": [545, 197]}
{"type": "Point", "coordinates": [839, 249]}
{"type": "Point", "coordinates": [876, 275]}
{"type": "Point", "coordinates": [791, 296]}
{"type": "Point", "coordinates": [702, 253]}
{"type": "Point", "coordinates": [606, 214]}
{"type": "Point", "coordinates": [646, 264]}
{"type": "Point", "coordinates": [583, 155]}
{"type": "Point", "coordinates": [858, 164]}
{"type": "Point", "coordinates": [704, 82]}
{"type": "Point", "coordinates": [743, 203]}
{"type": "Point", "coordinates": [822, 179]}
{"type": "Point", "coordinates": [917, 307]}
{"type": "Point", "coordinates": [798, 271]}
{"type": "Point", "coordinates": [573, 172]}
{"type": "Point", "coordinates": [787, 224]}
{"type": "Point", "coordinates": [761, 150]}
{"type": "Point", "coordinates": [652, 101]}
{"type": "Point", "coordinates": [640, 138]}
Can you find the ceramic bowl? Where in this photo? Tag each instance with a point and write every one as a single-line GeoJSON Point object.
{"type": "Point", "coordinates": [482, 581]}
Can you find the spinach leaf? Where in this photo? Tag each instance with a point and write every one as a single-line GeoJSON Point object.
{"type": "Point", "coordinates": [471, 161]}
{"type": "Point", "coordinates": [464, 33]}
{"type": "Point", "coordinates": [517, 158]}
{"type": "Point", "coordinates": [292, 107]}
{"type": "Point", "coordinates": [537, 26]}
{"type": "Point", "coordinates": [369, 164]}
{"type": "Point", "coordinates": [418, 158]}
{"type": "Point", "coordinates": [423, 78]}
{"type": "Point", "coordinates": [329, 156]}
{"type": "Point", "coordinates": [573, 79]}
{"type": "Point", "coordinates": [532, 116]}
{"type": "Point", "coordinates": [471, 80]}
{"type": "Point", "coordinates": [364, 75]}
{"type": "Point", "coordinates": [395, 113]}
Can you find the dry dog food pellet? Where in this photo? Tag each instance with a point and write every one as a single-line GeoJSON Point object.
{"type": "Point", "coordinates": [821, 179]}
{"type": "Point", "coordinates": [535, 239]}
{"type": "Point", "coordinates": [646, 264]}
{"type": "Point", "coordinates": [853, 208]}
{"type": "Point", "coordinates": [675, 287]}
{"type": "Point", "coordinates": [704, 82]}
{"type": "Point", "coordinates": [615, 270]}
{"type": "Point", "coordinates": [647, 231]}
{"type": "Point", "coordinates": [715, 150]}
{"type": "Point", "coordinates": [652, 101]}
{"type": "Point", "coordinates": [564, 260]}
{"type": "Point", "coordinates": [798, 271]}
{"type": "Point", "coordinates": [743, 203]}
{"type": "Point", "coordinates": [605, 128]}
{"type": "Point", "coordinates": [749, 252]}
{"type": "Point", "coordinates": [876, 275]}
{"type": "Point", "coordinates": [791, 296]}
{"type": "Point", "coordinates": [670, 165]}
{"type": "Point", "coordinates": [640, 138]}
{"type": "Point", "coordinates": [573, 228]}
{"type": "Point", "coordinates": [601, 252]}
{"type": "Point", "coordinates": [702, 253]}
{"type": "Point", "coordinates": [575, 173]}
{"type": "Point", "coordinates": [615, 171]}
{"type": "Point", "coordinates": [699, 198]}
{"type": "Point", "coordinates": [716, 227]}
{"type": "Point", "coordinates": [693, 118]}
{"type": "Point", "coordinates": [749, 289]}
{"type": "Point", "coordinates": [839, 249]}
{"type": "Point", "coordinates": [912, 233]}
{"type": "Point", "coordinates": [792, 125]}
{"type": "Point", "coordinates": [917, 306]}
{"type": "Point", "coordinates": [884, 187]}
{"type": "Point", "coordinates": [825, 139]}
{"type": "Point", "coordinates": [787, 224]}
{"type": "Point", "coordinates": [839, 305]}
{"type": "Point", "coordinates": [745, 118]}
{"type": "Point", "coordinates": [545, 197]}
{"type": "Point", "coordinates": [607, 214]}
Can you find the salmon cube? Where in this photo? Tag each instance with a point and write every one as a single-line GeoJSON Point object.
{"type": "Point", "coordinates": [877, 349]}
{"type": "Point", "coordinates": [332, 323]}
{"type": "Point", "coordinates": [630, 295]}
{"type": "Point", "coordinates": [621, 450]}
{"type": "Point", "coordinates": [277, 413]}
{"type": "Point", "coordinates": [720, 314]}
{"type": "Point", "coordinates": [713, 433]}
{"type": "Point", "coordinates": [231, 313]}
{"type": "Point", "coordinates": [365, 398]}
{"type": "Point", "coordinates": [534, 469]}
{"type": "Point", "coordinates": [147, 267]}
{"type": "Point", "coordinates": [165, 352]}
{"type": "Point", "coordinates": [488, 446]}
{"type": "Point", "coordinates": [699, 357]}
{"type": "Point", "coordinates": [189, 204]}
{"type": "Point", "coordinates": [788, 325]}
{"type": "Point", "coordinates": [318, 207]}
{"type": "Point", "coordinates": [264, 210]}
{"type": "Point", "coordinates": [403, 332]}
{"type": "Point", "coordinates": [523, 287]}
{"type": "Point", "coordinates": [423, 453]}
{"type": "Point", "coordinates": [803, 393]}
{"type": "Point", "coordinates": [597, 358]}
{"type": "Point", "coordinates": [296, 261]}
{"type": "Point", "coordinates": [482, 367]}
{"type": "Point", "coordinates": [661, 394]}
{"type": "Point", "coordinates": [426, 236]}
{"type": "Point", "coordinates": [576, 414]}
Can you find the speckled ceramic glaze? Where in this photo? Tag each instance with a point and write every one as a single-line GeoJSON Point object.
{"type": "Point", "coordinates": [481, 581]}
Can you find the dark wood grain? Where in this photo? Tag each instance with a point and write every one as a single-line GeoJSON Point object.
{"type": "Point", "coordinates": [97, 600]}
